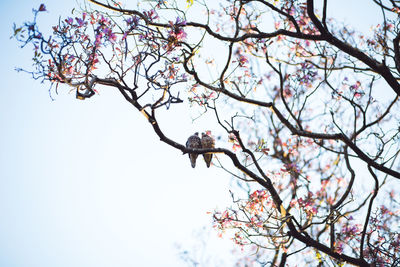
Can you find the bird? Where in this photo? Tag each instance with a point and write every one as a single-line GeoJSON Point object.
{"type": "Point", "coordinates": [207, 142]}
{"type": "Point", "coordinates": [193, 142]}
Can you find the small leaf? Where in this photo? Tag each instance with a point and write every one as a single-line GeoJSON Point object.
{"type": "Point", "coordinates": [17, 30]}
{"type": "Point", "coordinates": [336, 162]}
{"type": "Point", "coordinates": [189, 2]}
{"type": "Point", "coordinates": [42, 8]}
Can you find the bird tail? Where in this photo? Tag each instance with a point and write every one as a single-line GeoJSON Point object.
{"type": "Point", "coordinates": [193, 158]}
{"type": "Point", "coordinates": [207, 159]}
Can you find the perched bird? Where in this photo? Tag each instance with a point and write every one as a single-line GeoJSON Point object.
{"type": "Point", "coordinates": [193, 142]}
{"type": "Point", "coordinates": [207, 142]}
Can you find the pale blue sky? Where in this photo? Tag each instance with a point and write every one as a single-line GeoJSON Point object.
{"type": "Point", "coordinates": [88, 183]}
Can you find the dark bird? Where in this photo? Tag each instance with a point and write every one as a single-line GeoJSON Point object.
{"type": "Point", "coordinates": [193, 142]}
{"type": "Point", "coordinates": [207, 142]}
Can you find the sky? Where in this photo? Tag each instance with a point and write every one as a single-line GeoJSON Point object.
{"type": "Point", "coordinates": [88, 183]}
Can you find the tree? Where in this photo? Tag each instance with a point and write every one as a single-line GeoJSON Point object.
{"type": "Point", "coordinates": [309, 106]}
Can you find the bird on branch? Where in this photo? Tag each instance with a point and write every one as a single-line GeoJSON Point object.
{"type": "Point", "coordinates": [207, 142]}
{"type": "Point", "coordinates": [193, 142]}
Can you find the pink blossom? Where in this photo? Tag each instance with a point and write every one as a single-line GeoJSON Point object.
{"type": "Point", "coordinates": [80, 22]}
{"type": "Point", "coordinates": [69, 20]}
